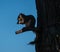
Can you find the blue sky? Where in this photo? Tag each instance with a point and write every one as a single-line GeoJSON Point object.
{"type": "Point", "coordinates": [9, 41]}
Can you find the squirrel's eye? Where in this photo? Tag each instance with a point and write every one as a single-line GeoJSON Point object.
{"type": "Point", "coordinates": [20, 19]}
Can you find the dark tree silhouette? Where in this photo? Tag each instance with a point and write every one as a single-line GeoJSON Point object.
{"type": "Point", "coordinates": [48, 25]}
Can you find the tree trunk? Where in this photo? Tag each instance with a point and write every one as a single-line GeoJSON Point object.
{"type": "Point", "coordinates": [46, 25]}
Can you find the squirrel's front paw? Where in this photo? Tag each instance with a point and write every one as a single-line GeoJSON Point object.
{"type": "Point", "coordinates": [19, 31]}
{"type": "Point", "coordinates": [16, 32]}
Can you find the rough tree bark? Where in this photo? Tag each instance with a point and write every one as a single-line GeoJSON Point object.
{"type": "Point", "coordinates": [46, 25]}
